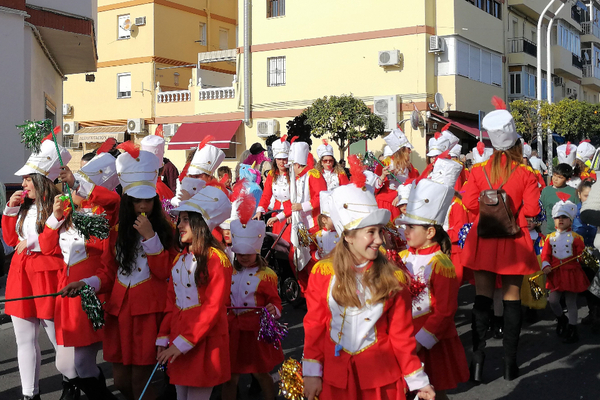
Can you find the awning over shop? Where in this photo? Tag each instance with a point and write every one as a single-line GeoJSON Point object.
{"type": "Point", "coordinates": [98, 134]}
{"type": "Point", "coordinates": [466, 125]}
{"type": "Point", "coordinates": [188, 136]}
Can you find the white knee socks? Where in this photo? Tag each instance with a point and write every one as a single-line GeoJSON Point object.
{"type": "Point", "coordinates": [193, 393]}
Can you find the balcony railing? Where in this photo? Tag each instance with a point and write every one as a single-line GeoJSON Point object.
{"type": "Point", "coordinates": [577, 62]}
{"type": "Point", "coordinates": [590, 29]}
{"type": "Point", "coordinates": [589, 71]}
{"type": "Point", "coordinates": [576, 14]}
{"type": "Point", "coordinates": [216, 93]}
{"type": "Point", "coordinates": [174, 96]}
{"type": "Point", "coordinates": [522, 45]}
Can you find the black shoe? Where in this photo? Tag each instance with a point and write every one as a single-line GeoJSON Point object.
{"type": "Point", "coordinates": [95, 388]}
{"type": "Point", "coordinates": [476, 368]}
{"type": "Point", "coordinates": [561, 325]}
{"type": "Point", "coordinates": [70, 391]}
{"type": "Point", "coordinates": [35, 397]}
{"type": "Point", "coordinates": [571, 335]}
{"type": "Point", "coordinates": [498, 327]}
{"type": "Point", "coordinates": [511, 370]}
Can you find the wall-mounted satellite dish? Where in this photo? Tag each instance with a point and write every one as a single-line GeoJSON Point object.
{"type": "Point", "coordinates": [439, 102]}
{"type": "Point", "coordinates": [415, 120]}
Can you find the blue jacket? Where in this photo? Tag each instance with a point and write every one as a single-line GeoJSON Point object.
{"type": "Point", "coordinates": [588, 232]}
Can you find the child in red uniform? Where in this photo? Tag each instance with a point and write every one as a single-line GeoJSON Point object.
{"type": "Point", "coordinates": [32, 273]}
{"type": "Point", "coordinates": [427, 261]}
{"type": "Point", "coordinates": [254, 284]}
{"type": "Point", "coordinates": [358, 317]}
{"type": "Point", "coordinates": [563, 246]}
{"type": "Point", "coordinates": [193, 337]}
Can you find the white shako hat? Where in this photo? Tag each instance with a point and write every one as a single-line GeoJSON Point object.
{"type": "Point", "coordinates": [437, 145]}
{"type": "Point", "coordinates": [404, 193]}
{"type": "Point", "coordinates": [281, 147]}
{"type": "Point", "coordinates": [387, 151]}
{"type": "Point", "coordinates": [355, 208]}
{"type": "Point", "coordinates": [324, 150]}
{"type": "Point", "coordinates": [456, 150]}
{"type": "Point", "coordinates": [567, 154]}
{"type": "Point", "coordinates": [192, 185]}
{"type": "Point", "coordinates": [452, 139]}
{"type": "Point", "coordinates": [325, 201]}
{"type": "Point", "coordinates": [397, 140]}
{"type": "Point", "coordinates": [247, 238]}
{"type": "Point", "coordinates": [500, 126]}
{"type": "Point", "coordinates": [46, 162]}
{"type": "Point", "coordinates": [207, 158]}
{"type": "Point", "coordinates": [446, 171]}
{"type": "Point", "coordinates": [585, 151]}
{"type": "Point", "coordinates": [481, 153]}
{"type": "Point", "coordinates": [526, 150]}
{"type": "Point", "coordinates": [211, 203]}
{"type": "Point", "coordinates": [102, 169]}
{"type": "Point", "coordinates": [154, 144]}
{"type": "Point", "coordinates": [564, 207]}
{"type": "Point", "coordinates": [137, 171]}
{"type": "Point", "coordinates": [428, 203]}
{"type": "Point", "coordinates": [298, 153]}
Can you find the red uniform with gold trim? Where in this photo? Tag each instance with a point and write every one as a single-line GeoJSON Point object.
{"type": "Point", "coordinates": [252, 288]}
{"type": "Point", "coordinates": [276, 196]}
{"type": "Point", "coordinates": [433, 316]}
{"type": "Point", "coordinates": [163, 191]}
{"type": "Point", "coordinates": [503, 256]}
{"type": "Point", "coordinates": [81, 259]}
{"type": "Point", "coordinates": [378, 346]}
{"type": "Point", "coordinates": [196, 321]}
{"type": "Point", "coordinates": [588, 173]}
{"type": "Point", "coordinates": [386, 194]}
{"type": "Point", "coordinates": [31, 273]}
{"type": "Point", "coordinates": [559, 247]}
{"type": "Point", "coordinates": [458, 215]}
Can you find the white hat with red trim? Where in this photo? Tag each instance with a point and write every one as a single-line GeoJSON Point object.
{"type": "Point", "coordinates": [564, 207]}
{"type": "Point", "coordinates": [137, 171]}
{"type": "Point", "coordinates": [281, 147]}
{"type": "Point", "coordinates": [397, 140]}
{"type": "Point", "coordinates": [211, 203]}
{"type": "Point", "coordinates": [299, 153]}
{"type": "Point", "coordinates": [428, 203]}
{"type": "Point", "coordinates": [456, 150]}
{"type": "Point", "coordinates": [404, 193]}
{"type": "Point", "coordinates": [452, 139]}
{"type": "Point", "coordinates": [155, 145]}
{"type": "Point", "coordinates": [324, 150]}
{"type": "Point", "coordinates": [46, 162]}
{"type": "Point", "coordinates": [500, 126]}
{"type": "Point", "coordinates": [585, 150]}
{"type": "Point", "coordinates": [567, 154]}
{"type": "Point", "coordinates": [481, 153]}
{"type": "Point", "coordinates": [102, 169]}
{"type": "Point", "coordinates": [207, 158]}
{"type": "Point", "coordinates": [354, 208]}
{"type": "Point", "coordinates": [446, 171]}
{"type": "Point", "coordinates": [437, 145]}
{"type": "Point", "coordinates": [325, 201]}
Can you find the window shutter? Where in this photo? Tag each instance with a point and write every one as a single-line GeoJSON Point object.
{"type": "Point", "coordinates": [462, 58]}
{"type": "Point", "coordinates": [486, 67]}
{"type": "Point", "coordinates": [474, 63]}
{"type": "Point", "coordinates": [496, 70]}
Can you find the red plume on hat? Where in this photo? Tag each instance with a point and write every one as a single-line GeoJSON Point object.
{"type": "Point", "coordinates": [237, 190]}
{"type": "Point", "coordinates": [568, 151]}
{"type": "Point", "coordinates": [283, 138]}
{"type": "Point", "coordinates": [437, 135]}
{"type": "Point", "coordinates": [204, 142]}
{"type": "Point", "coordinates": [159, 131]}
{"type": "Point", "coordinates": [586, 141]}
{"type": "Point", "coordinates": [325, 142]}
{"type": "Point", "coordinates": [129, 147]}
{"type": "Point", "coordinates": [294, 139]}
{"type": "Point", "coordinates": [480, 148]}
{"type": "Point", "coordinates": [447, 126]}
{"type": "Point", "coordinates": [184, 171]}
{"type": "Point", "coordinates": [357, 171]}
{"type": "Point", "coordinates": [107, 146]}
{"type": "Point", "coordinates": [563, 196]}
{"type": "Point", "coordinates": [445, 155]}
{"type": "Point", "coordinates": [246, 207]}
{"type": "Point", "coordinates": [498, 103]}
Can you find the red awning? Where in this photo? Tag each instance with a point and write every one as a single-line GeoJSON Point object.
{"type": "Point", "coordinates": [468, 126]}
{"type": "Point", "coordinates": [188, 136]}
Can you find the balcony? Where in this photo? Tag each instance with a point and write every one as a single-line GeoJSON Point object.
{"type": "Point", "coordinates": [591, 32]}
{"type": "Point", "coordinates": [174, 96]}
{"type": "Point", "coordinates": [522, 51]}
{"type": "Point", "coordinates": [566, 62]}
{"type": "Point", "coordinates": [577, 61]}
{"type": "Point", "coordinates": [531, 8]}
{"type": "Point", "coordinates": [591, 77]}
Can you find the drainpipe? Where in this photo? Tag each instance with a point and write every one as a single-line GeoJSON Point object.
{"type": "Point", "coordinates": [247, 62]}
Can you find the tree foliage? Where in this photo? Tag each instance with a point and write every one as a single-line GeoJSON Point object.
{"type": "Point", "coordinates": [343, 120]}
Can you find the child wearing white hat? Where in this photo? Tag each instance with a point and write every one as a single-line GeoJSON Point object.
{"type": "Point", "coordinates": [567, 154]}
{"type": "Point", "coordinates": [562, 268]}
{"type": "Point", "coordinates": [31, 272]}
{"type": "Point", "coordinates": [195, 328]}
{"type": "Point", "coordinates": [357, 310]}
{"type": "Point", "coordinates": [328, 166]}
{"type": "Point", "coordinates": [428, 264]}
{"type": "Point", "coordinates": [527, 151]}
{"type": "Point", "coordinates": [155, 144]}
{"type": "Point", "coordinates": [585, 152]}
{"type": "Point", "coordinates": [253, 284]}
{"type": "Point", "coordinates": [326, 237]}
{"type": "Point", "coordinates": [481, 153]}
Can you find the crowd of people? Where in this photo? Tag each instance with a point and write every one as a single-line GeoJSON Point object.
{"type": "Point", "coordinates": [379, 254]}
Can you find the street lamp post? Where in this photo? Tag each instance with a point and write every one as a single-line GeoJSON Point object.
{"type": "Point", "coordinates": [539, 76]}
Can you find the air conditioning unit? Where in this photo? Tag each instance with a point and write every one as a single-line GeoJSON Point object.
{"type": "Point", "coordinates": [135, 125]}
{"type": "Point", "coordinates": [436, 44]}
{"type": "Point", "coordinates": [386, 107]}
{"type": "Point", "coordinates": [139, 21]}
{"type": "Point", "coordinates": [69, 128]}
{"type": "Point", "coordinates": [389, 58]}
{"type": "Point", "coordinates": [67, 109]}
{"type": "Point", "coordinates": [267, 127]}
{"type": "Point", "coordinates": [558, 81]}
{"type": "Point", "coordinates": [169, 129]}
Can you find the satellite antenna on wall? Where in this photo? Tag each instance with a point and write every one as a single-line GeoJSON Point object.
{"type": "Point", "coordinates": [439, 102]}
{"type": "Point", "coordinates": [415, 120]}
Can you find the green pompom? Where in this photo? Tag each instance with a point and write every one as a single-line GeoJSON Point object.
{"type": "Point", "coordinates": [33, 132]}
{"type": "Point", "coordinates": [89, 224]}
{"type": "Point", "coordinates": [92, 306]}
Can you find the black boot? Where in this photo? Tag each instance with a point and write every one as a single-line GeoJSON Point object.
{"type": "Point", "coordinates": [70, 391]}
{"type": "Point", "coordinates": [498, 327]}
{"type": "Point", "coordinates": [571, 335]}
{"type": "Point", "coordinates": [480, 321]}
{"type": "Point", "coordinates": [591, 317]}
{"type": "Point", "coordinates": [95, 388]}
{"type": "Point", "coordinates": [513, 320]}
{"type": "Point", "coordinates": [561, 325]}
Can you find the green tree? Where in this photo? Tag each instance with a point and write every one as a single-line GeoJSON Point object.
{"type": "Point", "coordinates": [525, 115]}
{"type": "Point", "coordinates": [344, 120]}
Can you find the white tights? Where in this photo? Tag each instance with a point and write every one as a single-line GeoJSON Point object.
{"type": "Point", "coordinates": [75, 362]}
{"type": "Point", "coordinates": [570, 300]}
{"type": "Point", "coordinates": [193, 393]}
{"type": "Point", "coordinates": [29, 355]}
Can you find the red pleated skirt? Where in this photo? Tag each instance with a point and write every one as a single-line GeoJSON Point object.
{"type": "Point", "coordinates": [568, 278]}
{"type": "Point", "coordinates": [248, 354]}
{"type": "Point", "coordinates": [445, 363]}
{"type": "Point", "coordinates": [131, 339]}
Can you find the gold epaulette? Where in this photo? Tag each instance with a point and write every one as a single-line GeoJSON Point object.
{"type": "Point", "coordinates": [222, 257]}
{"type": "Point", "coordinates": [267, 275]}
{"type": "Point", "coordinates": [443, 265]}
{"type": "Point", "coordinates": [401, 276]}
{"type": "Point", "coordinates": [481, 164]}
{"type": "Point", "coordinates": [314, 173]}
{"type": "Point", "coordinates": [323, 267]}
{"type": "Point", "coordinates": [403, 254]}
{"type": "Point", "coordinates": [577, 236]}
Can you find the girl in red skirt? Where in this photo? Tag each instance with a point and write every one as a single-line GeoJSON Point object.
{"type": "Point", "coordinates": [254, 284]}
{"type": "Point", "coordinates": [562, 246]}
{"type": "Point", "coordinates": [32, 273]}
{"type": "Point", "coordinates": [193, 337]}
{"type": "Point", "coordinates": [358, 317]}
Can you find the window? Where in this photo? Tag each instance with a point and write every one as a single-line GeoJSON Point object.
{"type": "Point", "coordinates": [124, 26]}
{"type": "Point", "coordinates": [275, 8]}
{"type": "Point", "coordinates": [123, 86]}
{"type": "Point", "coordinates": [477, 64]}
{"type": "Point", "coordinates": [231, 152]}
{"type": "Point", "coordinates": [492, 7]}
{"type": "Point", "coordinates": [202, 37]}
{"type": "Point", "coordinates": [223, 39]}
{"type": "Point", "coordinates": [276, 71]}
{"type": "Point", "coordinates": [568, 37]}
{"type": "Point", "coordinates": [176, 79]}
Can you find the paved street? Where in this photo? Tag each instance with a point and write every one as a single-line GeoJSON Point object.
{"type": "Point", "coordinates": [550, 369]}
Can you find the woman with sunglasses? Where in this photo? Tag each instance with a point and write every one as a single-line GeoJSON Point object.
{"type": "Point", "coordinates": [333, 172]}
